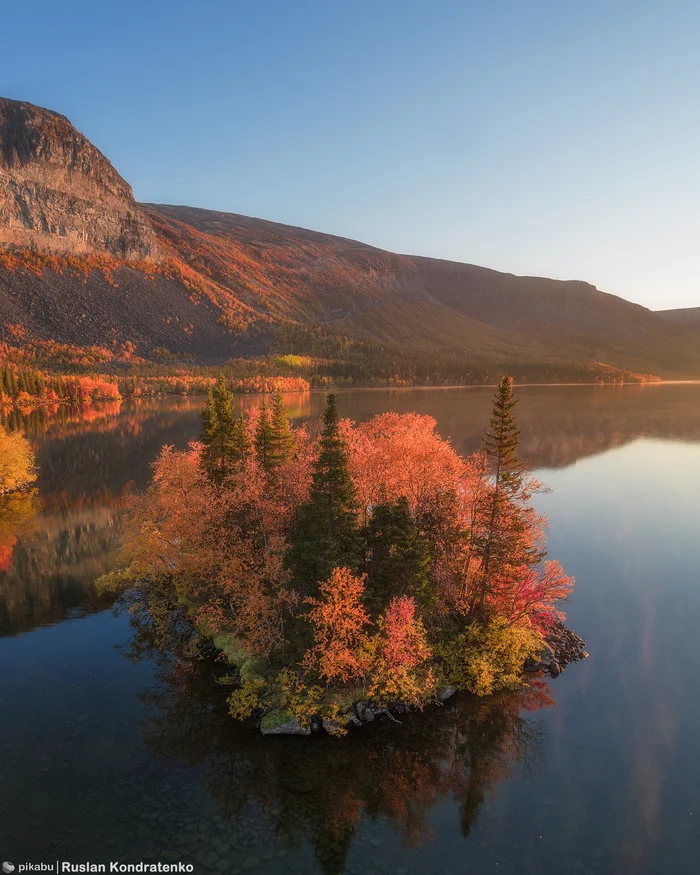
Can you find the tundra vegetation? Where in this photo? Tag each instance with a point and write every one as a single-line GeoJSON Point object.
{"type": "Point", "coordinates": [348, 564]}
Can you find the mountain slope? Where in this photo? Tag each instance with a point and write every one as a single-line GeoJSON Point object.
{"type": "Point", "coordinates": [688, 317]}
{"type": "Point", "coordinates": [82, 263]}
{"type": "Point", "coordinates": [361, 291]}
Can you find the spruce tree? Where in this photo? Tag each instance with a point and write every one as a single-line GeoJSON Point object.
{"type": "Point", "coordinates": [239, 448]}
{"type": "Point", "coordinates": [281, 439]}
{"type": "Point", "coordinates": [501, 440]}
{"type": "Point", "coordinates": [218, 429]}
{"type": "Point", "coordinates": [398, 558]}
{"type": "Point", "coordinates": [500, 443]}
{"type": "Point", "coordinates": [325, 533]}
{"type": "Point", "coordinates": [263, 437]}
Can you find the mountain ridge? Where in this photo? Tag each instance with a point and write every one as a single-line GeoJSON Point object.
{"type": "Point", "coordinates": [211, 285]}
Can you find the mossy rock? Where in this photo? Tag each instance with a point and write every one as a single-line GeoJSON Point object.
{"type": "Point", "coordinates": [253, 669]}
{"type": "Point", "coordinates": [233, 648]}
{"type": "Point", "coordinates": [279, 722]}
{"type": "Point", "coordinates": [276, 717]}
{"type": "Point", "coordinates": [346, 698]}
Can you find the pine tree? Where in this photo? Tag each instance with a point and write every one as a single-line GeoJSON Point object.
{"type": "Point", "coordinates": [281, 439]}
{"type": "Point", "coordinates": [325, 533]}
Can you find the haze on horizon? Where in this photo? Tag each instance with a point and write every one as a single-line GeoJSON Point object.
{"type": "Point", "coordinates": [546, 138]}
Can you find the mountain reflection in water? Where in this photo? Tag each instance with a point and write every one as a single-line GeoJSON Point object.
{"type": "Point", "coordinates": [91, 461]}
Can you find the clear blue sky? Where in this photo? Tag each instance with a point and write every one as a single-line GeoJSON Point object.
{"type": "Point", "coordinates": [557, 138]}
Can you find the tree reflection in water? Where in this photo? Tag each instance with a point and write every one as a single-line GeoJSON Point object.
{"type": "Point", "coordinates": [17, 510]}
{"type": "Point", "coordinates": [320, 789]}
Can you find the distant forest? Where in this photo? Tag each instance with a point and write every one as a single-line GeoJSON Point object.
{"type": "Point", "coordinates": [301, 359]}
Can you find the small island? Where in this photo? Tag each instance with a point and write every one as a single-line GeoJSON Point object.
{"type": "Point", "coordinates": [346, 570]}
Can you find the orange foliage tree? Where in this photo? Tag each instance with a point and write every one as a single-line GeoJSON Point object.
{"type": "Point", "coordinates": [339, 620]}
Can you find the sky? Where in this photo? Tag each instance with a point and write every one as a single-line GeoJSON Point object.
{"type": "Point", "coordinates": [545, 138]}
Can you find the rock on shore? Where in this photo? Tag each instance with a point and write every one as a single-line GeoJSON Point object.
{"type": "Point", "coordinates": [563, 647]}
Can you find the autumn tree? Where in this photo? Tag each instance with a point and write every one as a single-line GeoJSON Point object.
{"type": "Point", "coordinates": [325, 533]}
{"type": "Point", "coordinates": [339, 621]}
{"type": "Point", "coordinates": [399, 667]}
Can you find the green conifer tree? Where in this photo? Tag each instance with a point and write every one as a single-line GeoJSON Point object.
{"type": "Point", "coordinates": [239, 448]}
{"type": "Point", "coordinates": [398, 559]}
{"type": "Point", "coordinates": [325, 533]}
{"type": "Point", "coordinates": [500, 442]}
{"type": "Point", "coordinates": [263, 437]}
{"type": "Point", "coordinates": [281, 440]}
{"type": "Point", "coordinates": [218, 456]}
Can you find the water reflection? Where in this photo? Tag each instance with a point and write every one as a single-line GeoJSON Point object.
{"type": "Point", "coordinates": [91, 461]}
{"type": "Point", "coordinates": [89, 771]}
{"type": "Point", "coordinates": [320, 790]}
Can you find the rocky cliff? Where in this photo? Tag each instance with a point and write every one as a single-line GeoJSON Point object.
{"type": "Point", "coordinates": [58, 193]}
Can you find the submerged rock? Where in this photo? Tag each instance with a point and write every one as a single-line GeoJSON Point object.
{"type": "Point", "coordinates": [278, 723]}
{"type": "Point", "coordinates": [292, 727]}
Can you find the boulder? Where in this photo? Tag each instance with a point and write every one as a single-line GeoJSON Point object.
{"type": "Point", "coordinates": [279, 723]}
{"type": "Point", "coordinates": [365, 712]}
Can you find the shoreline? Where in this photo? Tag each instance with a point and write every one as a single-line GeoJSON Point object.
{"type": "Point", "coordinates": [562, 647]}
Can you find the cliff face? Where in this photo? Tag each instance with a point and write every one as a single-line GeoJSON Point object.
{"type": "Point", "coordinates": [58, 193]}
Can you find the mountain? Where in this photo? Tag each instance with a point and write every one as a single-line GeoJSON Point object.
{"type": "Point", "coordinates": [688, 318]}
{"type": "Point", "coordinates": [83, 264]}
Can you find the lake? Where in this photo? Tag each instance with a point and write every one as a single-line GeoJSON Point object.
{"type": "Point", "coordinates": [110, 754]}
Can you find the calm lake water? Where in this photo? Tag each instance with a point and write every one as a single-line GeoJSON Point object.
{"type": "Point", "coordinates": [107, 754]}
